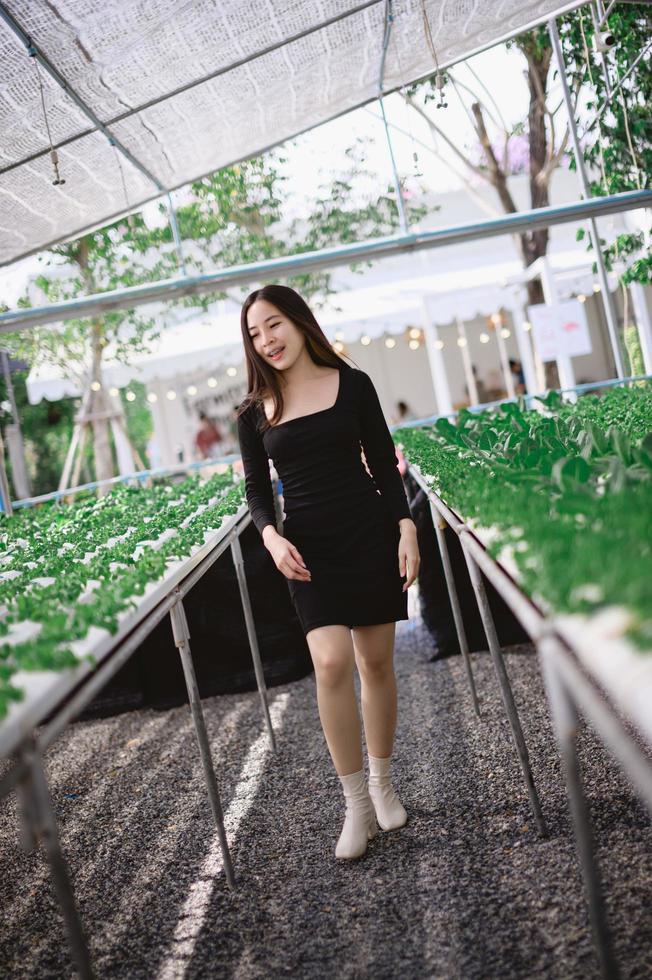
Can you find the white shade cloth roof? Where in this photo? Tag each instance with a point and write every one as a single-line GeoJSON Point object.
{"type": "Point", "coordinates": [189, 87]}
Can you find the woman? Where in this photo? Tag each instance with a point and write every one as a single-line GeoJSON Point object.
{"type": "Point", "coordinates": [345, 548]}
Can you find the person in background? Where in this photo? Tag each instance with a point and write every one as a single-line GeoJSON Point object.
{"type": "Point", "coordinates": [208, 438]}
{"type": "Point", "coordinates": [516, 369]}
{"type": "Point", "coordinates": [403, 413]}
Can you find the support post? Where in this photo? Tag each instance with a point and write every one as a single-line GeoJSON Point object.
{"type": "Point", "coordinates": [238, 561]}
{"type": "Point", "coordinates": [565, 722]}
{"type": "Point", "coordinates": [505, 687]}
{"type": "Point", "coordinates": [607, 299]}
{"type": "Point", "coordinates": [39, 823]}
{"type": "Point", "coordinates": [440, 527]}
{"type": "Point", "coordinates": [504, 361]}
{"type": "Point", "coordinates": [436, 361]}
{"type": "Point", "coordinates": [551, 296]}
{"type": "Point", "coordinates": [471, 386]}
{"type": "Point", "coordinates": [181, 635]}
{"type": "Point", "coordinates": [525, 352]}
{"type": "Point", "coordinates": [643, 322]}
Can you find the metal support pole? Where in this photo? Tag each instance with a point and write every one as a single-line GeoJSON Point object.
{"type": "Point", "coordinates": [505, 687]}
{"type": "Point", "coordinates": [469, 376]}
{"type": "Point", "coordinates": [176, 234]}
{"type": "Point", "coordinates": [5, 494]}
{"type": "Point", "coordinates": [565, 721]}
{"type": "Point", "coordinates": [182, 641]}
{"type": "Point", "coordinates": [39, 823]}
{"type": "Point", "coordinates": [389, 20]}
{"type": "Point", "coordinates": [238, 561]}
{"type": "Point", "coordinates": [440, 526]}
{"type": "Point", "coordinates": [607, 299]}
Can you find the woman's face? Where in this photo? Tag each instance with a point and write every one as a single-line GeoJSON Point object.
{"type": "Point", "coordinates": [272, 332]}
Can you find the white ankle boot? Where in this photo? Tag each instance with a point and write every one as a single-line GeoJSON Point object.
{"type": "Point", "coordinates": [390, 811]}
{"type": "Point", "coordinates": [359, 820]}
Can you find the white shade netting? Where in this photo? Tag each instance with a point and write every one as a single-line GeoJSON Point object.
{"type": "Point", "coordinates": [187, 88]}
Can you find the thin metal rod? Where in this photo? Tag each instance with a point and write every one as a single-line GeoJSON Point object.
{"type": "Point", "coordinates": [389, 20]}
{"type": "Point", "coordinates": [174, 224]}
{"type": "Point", "coordinates": [324, 258]}
{"type": "Point", "coordinates": [40, 824]}
{"type": "Point", "coordinates": [607, 102]}
{"type": "Point", "coordinates": [565, 722]}
{"type": "Point", "coordinates": [182, 642]}
{"type": "Point", "coordinates": [505, 689]}
{"type": "Point", "coordinates": [455, 603]}
{"type": "Point", "coordinates": [238, 561]}
{"type": "Point", "coordinates": [607, 299]}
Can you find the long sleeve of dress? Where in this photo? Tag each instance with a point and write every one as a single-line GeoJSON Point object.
{"type": "Point", "coordinates": [258, 482]}
{"type": "Point", "coordinates": [379, 449]}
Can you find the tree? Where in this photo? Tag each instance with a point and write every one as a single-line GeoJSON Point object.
{"type": "Point", "coordinates": [233, 216]}
{"type": "Point", "coordinates": [536, 145]}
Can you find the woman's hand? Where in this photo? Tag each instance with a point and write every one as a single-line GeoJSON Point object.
{"type": "Point", "coordinates": [408, 552]}
{"type": "Point", "coordinates": [287, 558]}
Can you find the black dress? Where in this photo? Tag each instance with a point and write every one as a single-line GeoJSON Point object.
{"type": "Point", "coordinates": [345, 530]}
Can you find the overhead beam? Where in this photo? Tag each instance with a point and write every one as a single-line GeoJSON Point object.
{"type": "Point", "coordinates": [323, 259]}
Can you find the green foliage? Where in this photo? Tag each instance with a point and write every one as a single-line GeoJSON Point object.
{"type": "Point", "coordinates": [576, 480]}
{"type": "Point", "coordinates": [617, 146]}
{"type": "Point", "coordinates": [100, 556]}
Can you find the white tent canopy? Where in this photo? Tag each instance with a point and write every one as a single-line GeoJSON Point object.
{"type": "Point", "coordinates": [187, 88]}
{"type": "Point", "coordinates": [211, 343]}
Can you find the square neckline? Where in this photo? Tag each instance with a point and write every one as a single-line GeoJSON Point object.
{"type": "Point", "coordinates": [320, 411]}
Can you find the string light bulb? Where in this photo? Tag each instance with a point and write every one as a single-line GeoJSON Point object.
{"type": "Point", "coordinates": [95, 386]}
{"type": "Point", "coordinates": [505, 333]}
{"type": "Point", "coordinates": [390, 342]}
{"type": "Point", "coordinates": [527, 325]}
{"type": "Point", "coordinates": [414, 344]}
{"type": "Point", "coordinates": [461, 341]}
{"type": "Point", "coordinates": [581, 297]}
{"type": "Point", "coordinates": [171, 394]}
{"type": "Point", "coordinates": [484, 338]}
{"type": "Point", "coordinates": [365, 340]}
{"type": "Point", "coordinates": [439, 344]}
{"type": "Point", "coordinates": [131, 396]}
{"type": "Point", "coordinates": [114, 392]}
{"type": "Point", "coordinates": [152, 397]}
{"type": "Point", "coordinates": [212, 382]}
{"type": "Point", "coordinates": [415, 333]}
{"type": "Point", "coordinates": [232, 371]}
{"type": "Point", "coordinates": [191, 390]}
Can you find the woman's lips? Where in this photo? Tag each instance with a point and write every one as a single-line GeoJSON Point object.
{"type": "Point", "coordinates": [278, 356]}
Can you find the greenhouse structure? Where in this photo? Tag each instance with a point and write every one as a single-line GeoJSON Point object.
{"type": "Point", "coordinates": [161, 841]}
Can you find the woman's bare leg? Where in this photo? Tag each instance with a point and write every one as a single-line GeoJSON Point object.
{"type": "Point", "coordinates": [331, 649]}
{"type": "Point", "coordinates": [374, 657]}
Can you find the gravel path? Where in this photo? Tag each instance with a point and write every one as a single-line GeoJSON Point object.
{"type": "Point", "coordinates": [465, 890]}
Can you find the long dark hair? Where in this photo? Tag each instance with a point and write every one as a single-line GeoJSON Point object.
{"type": "Point", "coordinates": [262, 378]}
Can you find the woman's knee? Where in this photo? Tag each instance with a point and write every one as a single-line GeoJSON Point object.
{"type": "Point", "coordinates": [332, 655]}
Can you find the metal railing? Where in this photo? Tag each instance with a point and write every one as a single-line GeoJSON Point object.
{"type": "Point", "coordinates": [72, 690]}
{"type": "Point", "coordinates": [570, 687]}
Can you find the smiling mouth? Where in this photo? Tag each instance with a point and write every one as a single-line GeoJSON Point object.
{"type": "Point", "coordinates": [276, 356]}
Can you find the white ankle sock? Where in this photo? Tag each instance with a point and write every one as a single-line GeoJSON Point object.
{"type": "Point", "coordinates": [390, 811]}
{"type": "Point", "coordinates": [359, 820]}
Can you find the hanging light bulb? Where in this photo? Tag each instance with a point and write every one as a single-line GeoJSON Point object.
{"type": "Point", "coordinates": [171, 394]}
{"type": "Point", "coordinates": [527, 325]}
{"type": "Point", "coordinates": [596, 287]}
{"type": "Point", "coordinates": [365, 340]}
{"type": "Point", "coordinates": [131, 396]}
{"type": "Point", "coordinates": [232, 371]}
{"type": "Point", "coordinates": [581, 297]}
{"type": "Point", "coordinates": [95, 386]}
{"type": "Point", "coordinates": [212, 382]}
{"type": "Point", "coordinates": [191, 390]}
{"type": "Point", "coordinates": [484, 338]}
{"type": "Point", "coordinates": [114, 392]}
{"type": "Point", "coordinates": [390, 342]}
{"type": "Point", "coordinates": [152, 397]}
{"type": "Point", "coordinates": [415, 333]}
{"type": "Point", "coordinates": [461, 341]}
{"type": "Point", "coordinates": [496, 319]}
{"type": "Point", "coordinates": [414, 345]}
{"type": "Point", "coordinates": [339, 346]}
{"type": "Point", "coordinates": [505, 333]}
{"type": "Point", "coordinates": [439, 344]}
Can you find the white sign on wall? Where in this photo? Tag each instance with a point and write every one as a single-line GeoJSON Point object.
{"type": "Point", "coordinates": [560, 330]}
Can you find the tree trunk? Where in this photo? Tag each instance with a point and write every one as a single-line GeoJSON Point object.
{"type": "Point", "coordinates": [102, 449]}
